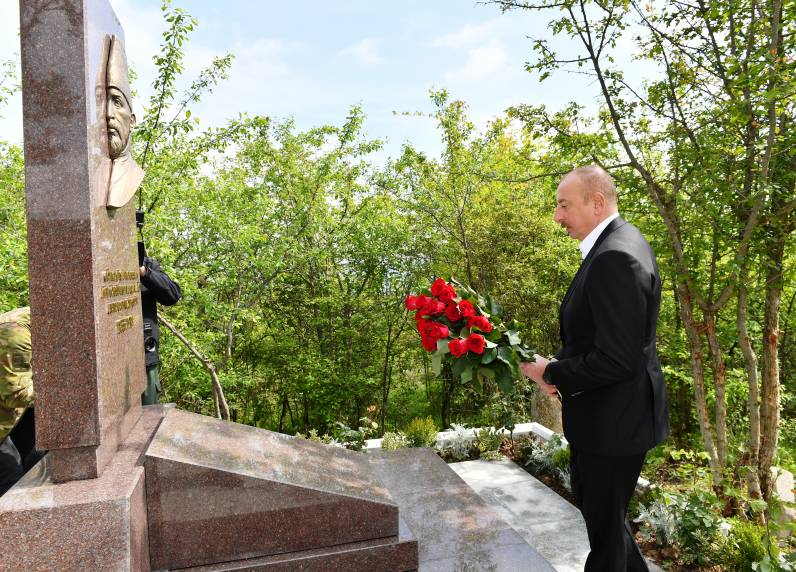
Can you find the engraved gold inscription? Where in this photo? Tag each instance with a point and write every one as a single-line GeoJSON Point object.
{"type": "Point", "coordinates": [125, 304]}
{"type": "Point", "coordinates": [124, 324]}
{"type": "Point", "coordinates": [120, 290]}
{"type": "Point", "coordinates": [120, 275]}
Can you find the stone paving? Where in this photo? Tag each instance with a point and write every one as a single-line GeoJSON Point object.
{"type": "Point", "coordinates": [547, 522]}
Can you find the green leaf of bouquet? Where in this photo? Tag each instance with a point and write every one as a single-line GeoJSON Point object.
{"type": "Point", "coordinates": [489, 344]}
{"type": "Point", "coordinates": [436, 363]}
{"type": "Point", "coordinates": [513, 336]}
{"type": "Point", "coordinates": [489, 355]}
{"type": "Point", "coordinates": [442, 346]}
{"type": "Point", "coordinates": [524, 352]}
{"type": "Point", "coordinates": [458, 366]}
{"type": "Point", "coordinates": [504, 379]}
{"type": "Point", "coordinates": [487, 373]}
{"type": "Point", "coordinates": [504, 355]}
{"type": "Point", "coordinates": [467, 375]}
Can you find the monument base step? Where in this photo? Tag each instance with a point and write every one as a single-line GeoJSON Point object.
{"type": "Point", "coordinates": [456, 529]}
{"type": "Point", "coordinates": [98, 524]}
{"type": "Point", "coordinates": [395, 554]}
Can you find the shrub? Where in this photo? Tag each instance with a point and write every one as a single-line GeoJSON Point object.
{"type": "Point", "coordinates": [459, 445]}
{"type": "Point", "coordinates": [749, 541]}
{"type": "Point", "coordinates": [547, 458]}
{"type": "Point", "coordinates": [393, 441]}
{"type": "Point", "coordinates": [560, 459]}
{"type": "Point", "coordinates": [488, 440]}
{"type": "Point", "coordinates": [422, 432]}
{"type": "Point", "coordinates": [355, 438]}
{"type": "Point", "coordinates": [690, 522]}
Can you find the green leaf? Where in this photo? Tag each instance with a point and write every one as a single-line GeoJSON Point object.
{"type": "Point", "coordinates": [504, 379]}
{"type": "Point", "coordinates": [513, 336]}
{"type": "Point", "coordinates": [467, 375]}
{"type": "Point", "coordinates": [436, 363]}
{"type": "Point", "coordinates": [487, 373]}
{"type": "Point", "coordinates": [442, 346]}
{"type": "Point", "coordinates": [458, 366]}
{"type": "Point", "coordinates": [489, 355]}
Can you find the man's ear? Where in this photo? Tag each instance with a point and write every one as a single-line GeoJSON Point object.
{"type": "Point", "coordinates": [132, 120]}
{"type": "Point", "coordinates": [599, 201]}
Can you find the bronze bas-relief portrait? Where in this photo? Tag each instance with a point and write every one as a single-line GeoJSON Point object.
{"type": "Point", "coordinates": [126, 175]}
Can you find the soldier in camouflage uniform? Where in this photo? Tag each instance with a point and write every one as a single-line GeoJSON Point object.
{"type": "Point", "coordinates": [16, 389]}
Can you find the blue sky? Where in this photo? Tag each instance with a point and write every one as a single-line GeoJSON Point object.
{"type": "Point", "coordinates": [312, 60]}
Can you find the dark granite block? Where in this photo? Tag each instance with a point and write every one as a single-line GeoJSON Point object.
{"type": "Point", "coordinates": [219, 491]}
{"type": "Point", "coordinates": [394, 554]}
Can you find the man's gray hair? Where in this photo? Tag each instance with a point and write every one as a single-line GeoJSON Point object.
{"type": "Point", "coordinates": [596, 179]}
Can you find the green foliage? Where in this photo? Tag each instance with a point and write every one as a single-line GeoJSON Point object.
{"type": "Point", "coordinates": [690, 522]}
{"type": "Point", "coordinates": [560, 459]}
{"type": "Point", "coordinates": [392, 441]}
{"type": "Point", "coordinates": [488, 440]}
{"type": "Point", "coordinates": [13, 232]}
{"type": "Point", "coordinates": [748, 542]}
{"type": "Point", "coordinates": [422, 432]}
{"type": "Point", "coordinates": [354, 439]}
{"type": "Point", "coordinates": [544, 457]}
{"type": "Point", "coordinates": [460, 443]}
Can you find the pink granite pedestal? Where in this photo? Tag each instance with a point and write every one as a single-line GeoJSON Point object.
{"type": "Point", "coordinates": [97, 524]}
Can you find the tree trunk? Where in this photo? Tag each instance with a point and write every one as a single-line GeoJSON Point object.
{"type": "Point", "coordinates": [220, 402]}
{"type": "Point", "coordinates": [719, 387]}
{"type": "Point", "coordinates": [750, 363]}
{"type": "Point", "coordinates": [769, 391]}
{"type": "Point", "coordinates": [698, 372]}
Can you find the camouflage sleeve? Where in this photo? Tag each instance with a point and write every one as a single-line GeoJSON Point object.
{"type": "Point", "coordinates": [16, 379]}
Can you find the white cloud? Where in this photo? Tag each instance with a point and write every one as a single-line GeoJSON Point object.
{"type": "Point", "coordinates": [365, 52]}
{"type": "Point", "coordinates": [471, 34]}
{"type": "Point", "coordinates": [482, 62]}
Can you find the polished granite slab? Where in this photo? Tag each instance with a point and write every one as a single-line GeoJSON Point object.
{"type": "Point", "coordinates": [456, 529]}
{"type": "Point", "coordinates": [220, 491]}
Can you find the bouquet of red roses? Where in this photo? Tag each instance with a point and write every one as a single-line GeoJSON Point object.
{"type": "Point", "coordinates": [464, 329]}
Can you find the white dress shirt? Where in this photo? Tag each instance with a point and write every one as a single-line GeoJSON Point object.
{"type": "Point", "coordinates": [587, 243]}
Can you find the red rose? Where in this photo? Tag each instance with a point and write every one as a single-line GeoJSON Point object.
{"type": "Point", "coordinates": [424, 326]}
{"type": "Point", "coordinates": [438, 286]}
{"type": "Point", "coordinates": [457, 347]}
{"type": "Point", "coordinates": [440, 331]}
{"type": "Point", "coordinates": [413, 302]}
{"type": "Point", "coordinates": [429, 343]}
{"type": "Point", "coordinates": [475, 343]}
{"type": "Point", "coordinates": [447, 295]}
{"type": "Point", "coordinates": [443, 291]}
{"type": "Point", "coordinates": [452, 312]}
{"type": "Point", "coordinates": [467, 309]}
{"type": "Point", "coordinates": [433, 308]}
{"type": "Point", "coordinates": [481, 323]}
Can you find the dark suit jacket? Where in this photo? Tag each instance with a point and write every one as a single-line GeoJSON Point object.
{"type": "Point", "coordinates": [613, 396]}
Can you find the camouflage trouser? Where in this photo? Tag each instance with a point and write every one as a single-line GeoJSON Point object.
{"type": "Point", "coordinates": [151, 395]}
{"type": "Point", "coordinates": [10, 465]}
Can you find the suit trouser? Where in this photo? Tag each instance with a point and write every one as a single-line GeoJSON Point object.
{"type": "Point", "coordinates": [602, 487]}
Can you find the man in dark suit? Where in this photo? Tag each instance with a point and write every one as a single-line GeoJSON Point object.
{"type": "Point", "coordinates": [614, 403]}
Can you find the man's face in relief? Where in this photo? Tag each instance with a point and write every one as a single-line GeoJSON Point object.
{"type": "Point", "coordinates": [121, 121]}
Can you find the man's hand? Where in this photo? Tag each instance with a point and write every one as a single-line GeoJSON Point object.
{"type": "Point", "coordinates": [534, 370]}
